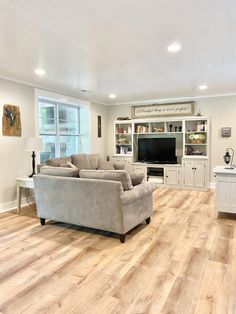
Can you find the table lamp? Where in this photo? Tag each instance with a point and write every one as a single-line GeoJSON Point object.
{"type": "Point", "coordinates": [33, 144]}
{"type": "Point", "coordinates": [228, 159]}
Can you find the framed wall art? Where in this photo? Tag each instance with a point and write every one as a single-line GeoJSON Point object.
{"type": "Point", "coordinates": [158, 110]}
{"type": "Point", "coordinates": [11, 121]}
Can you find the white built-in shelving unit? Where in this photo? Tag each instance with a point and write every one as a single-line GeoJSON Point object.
{"type": "Point", "coordinates": [192, 150]}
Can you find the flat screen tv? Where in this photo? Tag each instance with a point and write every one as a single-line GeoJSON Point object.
{"type": "Point", "coordinates": [157, 150]}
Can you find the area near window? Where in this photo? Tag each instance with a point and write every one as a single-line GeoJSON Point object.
{"type": "Point", "coordinates": [62, 128]}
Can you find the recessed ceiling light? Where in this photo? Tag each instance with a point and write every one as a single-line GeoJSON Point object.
{"type": "Point", "coordinates": [174, 47]}
{"type": "Point", "coordinates": [202, 87]}
{"type": "Point", "coordinates": [39, 71]}
{"type": "Point", "coordinates": [112, 96]}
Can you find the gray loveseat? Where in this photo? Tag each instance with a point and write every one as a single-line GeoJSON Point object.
{"type": "Point", "coordinates": [102, 199]}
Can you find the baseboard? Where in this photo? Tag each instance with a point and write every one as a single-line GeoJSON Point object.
{"type": "Point", "coordinates": [4, 207]}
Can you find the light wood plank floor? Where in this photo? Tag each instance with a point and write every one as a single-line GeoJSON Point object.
{"type": "Point", "coordinates": [183, 262]}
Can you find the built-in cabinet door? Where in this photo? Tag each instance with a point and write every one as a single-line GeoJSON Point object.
{"type": "Point", "coordinates": [188, 173]}
{"type": "Point", "coordinates": [200, 174]}
{"type": "Point", "coordinates": [139, 169]}
{"type": "Point", "coordinates": [223, 195]}
{"type": "Point", "coordinates": [233, 197]}
{"type": "Point", "coordinates": [172, 176]}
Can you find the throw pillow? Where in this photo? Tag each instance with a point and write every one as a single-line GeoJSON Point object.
{"type": "Point", "coordinates": [59, 171]}
{"type": "Point", "coordinates": [94, 160]}
{"type": "Point", "coordinates": [112, 175]}
{"type": "Point", "coordinates": [136, 178]}
{"type": "Point", "coordinates": [81, 161]}
{"type": "Point", "coordinates": [70, 165]}
{"type": "Point", "coordinates": [58, 162]}
{"type": "Point", "coordinates": [52, 163]}
{"type": "Point", "coordinates": [105, 165]}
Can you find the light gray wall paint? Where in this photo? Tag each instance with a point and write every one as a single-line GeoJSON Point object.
{"type": "Point", "coordinates": [98, 144]}
{"type": "Point", "coordinates": [221, 111]}
{"type": "Point", "coordinates": [14, 161]}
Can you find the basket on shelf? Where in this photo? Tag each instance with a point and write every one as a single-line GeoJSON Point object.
{"type": "Point", "coordinates": [197, 138]}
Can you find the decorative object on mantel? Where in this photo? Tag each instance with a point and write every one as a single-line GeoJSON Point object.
{"type": "Point", "coordinates": [123, 118]}
{"type": "Point", "coordinates": [157, 110]}
{"type": "Point", "coordinates": [33, 144]}
{"type": "Point", "coordinates": [228, 159]}
{"type": "Point", "coordinates": [11, 122]}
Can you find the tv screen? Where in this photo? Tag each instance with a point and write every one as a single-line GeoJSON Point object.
{"type": "Point", "coordinates": [157, 150]}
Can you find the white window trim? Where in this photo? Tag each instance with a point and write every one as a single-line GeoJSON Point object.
{"type": "Point", "coordinates": [63, 99]}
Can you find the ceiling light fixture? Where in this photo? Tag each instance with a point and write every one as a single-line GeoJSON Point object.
{"type": "Point", "coordinates": [202, 87]}
{"type": "Point", "coordinates": [112, 96]}
{"type": "Point", "coordinates": [174, 47]}
{"type": "Point", "coordinates": [39, 72]}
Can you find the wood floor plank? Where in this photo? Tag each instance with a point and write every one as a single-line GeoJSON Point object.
{"type": "Point", "coordinates": [183, 262]}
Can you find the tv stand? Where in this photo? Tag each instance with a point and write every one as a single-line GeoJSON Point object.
{"type": "Point", "coordinates": [163, 175]}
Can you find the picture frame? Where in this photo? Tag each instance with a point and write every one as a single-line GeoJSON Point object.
{"type": "Point", "coordinates": [163, 110]}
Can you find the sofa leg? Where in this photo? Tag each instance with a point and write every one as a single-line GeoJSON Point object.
{"type": "Point", "coordinates": [148, 220]}
{"type": "Point", "coordinates": [122, 238]}
{"type": "Point", "coordinates": [42, 221]}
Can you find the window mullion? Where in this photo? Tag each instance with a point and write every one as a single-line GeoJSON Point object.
{"type": "Point", "coordinates": [57, 130]}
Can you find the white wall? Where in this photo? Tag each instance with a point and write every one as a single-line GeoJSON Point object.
{"type": "Point", "coordinates": [98, 145]}
{"type": "Point", "coordinates": [14, 161]}
{"type": "Point", "coordinates": [221, 110]}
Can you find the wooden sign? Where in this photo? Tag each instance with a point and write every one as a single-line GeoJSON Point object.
{"type": "Point", "coordinates": [11, 122]}
{"type": "Point", "coordinates": [156, 110]}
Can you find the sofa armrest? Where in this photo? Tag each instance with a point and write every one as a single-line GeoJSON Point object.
{"type": "Point", "coordinates": [39, 167]}
{"type": "Point", "coordinates": [138, 192]}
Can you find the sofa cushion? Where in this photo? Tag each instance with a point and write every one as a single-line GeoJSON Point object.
{"type": "Point", "coordinates": [58, 162]}
{"type": "Point", "coordinates": [94, 160]}
{"type": "Point", "coordinates": [112, 175]}
{"type": "Point", "coordinates": [81, 161]}
{"type": "Point", "coordinates": [136, 178]}
{"type": "Point", "coordinates": [59, 171]}
{"type": "Point", "coordinates": [105, 165]}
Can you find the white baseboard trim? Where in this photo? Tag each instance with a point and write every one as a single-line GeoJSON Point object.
{"type": "Point", "coordinates": [4, 207]}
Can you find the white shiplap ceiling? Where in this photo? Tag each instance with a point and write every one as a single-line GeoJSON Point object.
{"type": "Point", "coordinates": [119, 46]}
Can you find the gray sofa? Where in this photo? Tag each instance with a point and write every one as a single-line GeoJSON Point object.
{"type": "Point", "coordinates": [103, 199]}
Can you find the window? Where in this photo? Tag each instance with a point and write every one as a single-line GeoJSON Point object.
{"type": "Point", "coordinates": [59, 127]}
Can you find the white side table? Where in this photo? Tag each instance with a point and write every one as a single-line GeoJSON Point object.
{"type": "Point", "coordinates": [24, 182]}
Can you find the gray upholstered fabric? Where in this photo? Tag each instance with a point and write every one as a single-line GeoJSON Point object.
{"type": "Point", "coordinates": [81, 161]}
{"type": "Point", "coordinates": [112, 175]}
{"type": "Point", "coordinates": [105, 165]}
{"type": "Point", "coordinates": [58, 162]}
{"type": "Point", "coordinates": [59, 171]}
{"type": "Point", "coordinates": [94, 160]}
{"type": "Point", "coordinates": [92, 203]}
{"type": "Point", "coordinates": [136, 178]}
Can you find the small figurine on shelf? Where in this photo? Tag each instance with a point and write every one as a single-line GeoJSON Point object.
{"type": "Point", "coordinates": [170, 126]}
{"type": "Point", "coordinates": [175, 128]}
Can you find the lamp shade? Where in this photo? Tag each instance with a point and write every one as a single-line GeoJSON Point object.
{"type": "Point", "coordinates": [34, 144]}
